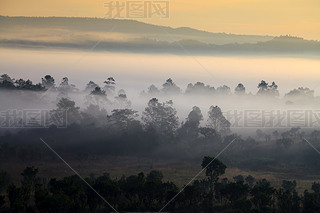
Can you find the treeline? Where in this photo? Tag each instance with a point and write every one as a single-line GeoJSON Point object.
{"type": "Point", "coordinates": [159, 134]}
{"type": "Point", "coordinates": [157, 131]}
{"type": "Point", "coordinates": [148, 192]}
{"type": "Point", "coordinates": [265, 89]}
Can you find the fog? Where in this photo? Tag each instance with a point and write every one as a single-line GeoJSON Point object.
{"type": "Point", "coordinates": [135, 72]}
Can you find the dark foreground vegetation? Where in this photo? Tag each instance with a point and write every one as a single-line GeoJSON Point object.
{"type": "Point", "coordinates": [148, 192]}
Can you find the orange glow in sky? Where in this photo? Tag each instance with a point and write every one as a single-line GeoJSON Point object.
{"type": "Point", "coordinates": [261, 17]}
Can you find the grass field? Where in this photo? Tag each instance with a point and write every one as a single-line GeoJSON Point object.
{"type": "Point", "coordinates": [179, 172]}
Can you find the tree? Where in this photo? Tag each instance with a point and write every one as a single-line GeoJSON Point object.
{"type": "Point", "coordinates": [275, 134]}
{"type": "Point", "coordinates": [294, 131]}
{"type": "Point", "coordinates": [286, 142]}
{"type": "Point", "coordinates": [300, 94]}
{"type": "Point", "coordinates": [311, 201]}
{"type": "Point", "coordinates": [155, 176]}
{"type": "Point", "coordinates": [214, 168]}
{"type": "Point", "coordinates": [289, 186]}
{"type": "Point", "coordinates": [153, 90]}
{"type": "Point", "coordinates": [217, 121]}
{"type": "Point", "coordinates": [67, 107]}
{"type": "Point", "coordinates": [209, 133]}
{"type": "Point", "coordinates": [240, 89]}
{"type": "Point", "coordinates": [110, 86]}
{"type": "Point", "coordinates": [121, 101]}
{"type": "Point", "coordinates": [268, 90]}
{"type": "Point", "coordinates": [262, 194]}
{"type": "Point", "coordinates": [16, 198]}
{"type": "Point", "coordinates": [315, 134]}
{"type": "Point", "coordinates": [123, 119]}
{"type": "Point", "coordinates": [287, 197]}
{"type": "Point", "coordinates": [91, 86]}
{"type": "Point", "coordinates": [48, 82]}
{"type": "Point", "coordinates": [66, 87]}
{"type": "Point", "coordinates": [250, 180]}
{"type": "Point", "coordinates": [238, 178]}
{"type": "Point", "coordinates": [6, 82]}
{"type": "Point", "coordinates": [98, 91]}
{"type": "Point", "coordinates": [29, 177]}
{"type": "Point", "coordinates": [6, 77]}
{"type": "Point", "coordinates": [199, 88]}
{"type": "Point", "coordinates": [237, 191]}
{"type": "Point", "coordinates": [260, 133]}
{"type": "Point", "coordinates": [169, 87]}
{"type": "Point", "coordinates": [94, 115]}
{"type": "Point", "coordinates": [273, 88]}
{"type": "Point", "coordinates": [27, 85]}
{"type": "Point", "coordinates": [223, 90]}
{"type": "Point", "coordinates": [2, 201]}
{"type": "Point", "coordinates": [161, 117]}
{"type": "Point", "coordinates": [4, 181]}
{"type": "Point", "coordinates": [190, 129]}
{"type": "Point", "coordinates": [97, 97]}
{"type": "Point", "coordinates": [263, 87]}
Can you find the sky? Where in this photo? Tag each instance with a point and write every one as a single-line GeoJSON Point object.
{"type": "Point", "coordinates": [259, 17]}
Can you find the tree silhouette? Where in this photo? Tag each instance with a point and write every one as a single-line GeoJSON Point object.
{"type": "Point", "coordinates": [91, 86]}
{"type": "Point", "coordinates": [97, 97]}
{"type": "Point", "coordinates": [262, 194]}
{"type": "Point", "coordinates": [6, 82]}
{"type": "Point", "coordinates": [67, 107]}
{"type": "Point", "coordinates": [190, 129]}
{"type": "Point", "coordinates": [268, 90]}
{"type": "Point", "coordinates": [121, 101]}
{"type": "Point", "coordinates": [161, 117]}
{"type": "Point", "coordinates": [223, 90]}
{"type": "Point", "coordinates": [214, 168]}
{"type": "Point", "coordinates": [199, 88]}
{"type": "Point", "coordinates": [48, 82]}
{"type": "Point", "coordinates": [110, 86]}
{"type": "Point", "coordinates": [240, 89]}
{"type": "Point", "coordinates": [217, 121]}
{"type": "Point", "coordinates": [169, 87]}
{"type": "Point", "coordinates": [153, 90]}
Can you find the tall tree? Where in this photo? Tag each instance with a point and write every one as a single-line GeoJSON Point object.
{"type": "Point", "coordinates": [223, 90]}
{"type": "Point", "coordinates": [161, 117]}
{"type": "Point", "coordinates": [67, 111]}
{"type": "Point", "coordinates": [240, 89]}
{"type": "Point", "coordinates": [217, 121]}
{"type": "Point", "coordinates": [268, 90]}
{"type": "Point", "coordinates": [48, 82]}
{"type": "Point", "coordinates": [190, 129]}
{"type": "Point", "coordinates": [214, 168]}
{"type": "Point", "coordinates": [110, 86]}
{"type": "Point", "coordinates": [121, 101]}
{"type": "Point", "coordinates": [169, 87]}
{"type": "Point", "coordinates": [97, 97]}
{"type": "Point", "coordinates": [123, 119]}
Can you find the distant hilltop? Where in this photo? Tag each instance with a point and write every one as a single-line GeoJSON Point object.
{"type": "Point", "coordinates": [121, 35]}
{"type": "Point", "coordinates": [128, 27]}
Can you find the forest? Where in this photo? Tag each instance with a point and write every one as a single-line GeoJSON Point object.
{"type": "Point", "coordinates": [97, 121]}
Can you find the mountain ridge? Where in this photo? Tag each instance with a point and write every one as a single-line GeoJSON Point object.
{"type": "Point", "coordinates": [125, 26]}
